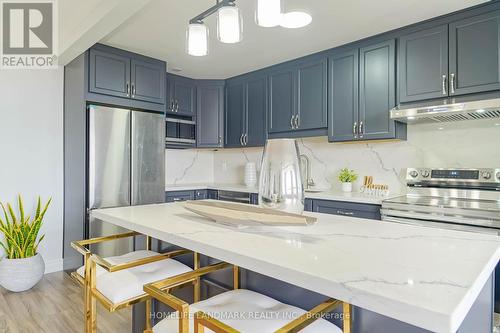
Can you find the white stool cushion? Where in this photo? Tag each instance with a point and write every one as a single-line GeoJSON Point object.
{"type": "Point", "coordinates": [268, 314]}
{"type": "Point", "coordinates": [128, 283]}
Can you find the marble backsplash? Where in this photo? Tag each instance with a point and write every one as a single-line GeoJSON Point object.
{"type": "Point", "coordinates": [461, 144]}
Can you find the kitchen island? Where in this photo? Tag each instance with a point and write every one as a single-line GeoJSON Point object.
{"type": "Point", "coordinates": [428, 279]}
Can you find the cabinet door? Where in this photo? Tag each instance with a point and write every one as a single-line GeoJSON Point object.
{"type": "Point", "coordinates": [176, 196]}
{"type": "Point", "coordinates": [182, 96]}
{"type": "Point", "coordinates": [235, 110]}
{"type": "Point", "coordinates": [282, 101]}
{"type": "Point", "coordinates": [423, 59]}
{"type": "Point", "coordinates": [474, 54]}
{"type": "Point", "coordinates": [256, 110]}
{"type": "Point", "coordinates": [377, 91]}
{"type": "Point", "coordinates": [209, 115]}
{"type": "Point", "coordinates": [312, 95]}
{"type": "Point", "coordinates": [109, 73]}
{"type": "Point", "coordinates": [343, 96]}
{"type": "Point", "coordinates": [148, 81]}
{"type": "Point", "coordinates": [366, 211]}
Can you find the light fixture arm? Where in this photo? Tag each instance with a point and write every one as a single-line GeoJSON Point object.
{"type": "Point", "coordinates": [211, 10]}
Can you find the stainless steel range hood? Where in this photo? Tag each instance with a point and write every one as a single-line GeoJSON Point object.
{"type": "Point", "coordinates": [474, 107]}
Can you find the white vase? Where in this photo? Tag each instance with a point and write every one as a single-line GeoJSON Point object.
{"type": "Point", "coordinates": [346, 187]}
{"type": "Point", "coordinates": [250, 174]}
{"type": "Point", "coordinates": [21, 274]}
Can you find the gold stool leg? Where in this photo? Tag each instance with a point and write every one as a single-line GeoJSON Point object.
{"type": "Point", "coordinates": [347, 318]}
{"type": "Point", "coordinates": [236, 277]}
{"type": "Point", "coordinates": [90, 301]}
{"type": "Point", "coordinates": [148, 315]}
{"type": "Point", "coordinates": [197, 284]}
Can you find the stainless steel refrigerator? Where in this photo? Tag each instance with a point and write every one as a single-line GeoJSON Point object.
{"type": "Point", "coordinates": [126, 166]}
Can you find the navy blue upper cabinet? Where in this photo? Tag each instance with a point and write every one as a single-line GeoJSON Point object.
{"type": "Point", "coordinates": [312, 95]}
{"type": "Point", "coordinates": [246, 111]}
{"type": "Point", "coordinates": [361, 93]}
{"type": "Point", "coordinates": [423, 64]}
{"type": "Point", "coordinates": [181, 95]}
{"type": "Point", "coordinates": [255, 112]}
{"type": "Point", "coordinates": [474, 54]}
{"type": "Point", "coordinates": [235, 113]}
{"type": "Point", "coordinates": [109, 73]}
{"type": "Point", "coordinates": [298, 98]}
{"type": "Point", "coordinates": [377, 91]}
{"type": "Point", "coordinates": [282, 101]}
{"type": "Point", "coordinates": [123, 74]}
{"type": "Point", "coordinates": [210, 114]}
{"type": "Point", "coordinates": [343, 71]}
{"type": "Point", "coordinates": [148, 81]}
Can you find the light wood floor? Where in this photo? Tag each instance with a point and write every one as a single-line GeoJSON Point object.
{"type": "Point", "coordinates": [55, 305]}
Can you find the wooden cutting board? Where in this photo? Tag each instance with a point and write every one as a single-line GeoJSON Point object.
{"type": "Point", "coordinates": [240, 215]}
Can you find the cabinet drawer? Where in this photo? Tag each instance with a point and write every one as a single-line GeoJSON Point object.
{"type": "Point", "coordinates": [366, 211]}
{"type": "Point", "coordinates": [179, 196]}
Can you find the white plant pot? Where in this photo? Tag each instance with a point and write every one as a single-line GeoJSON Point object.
{"type": "Point", "coordinates": [21, 274]}
{"type": "Point", "coordinates": [346, 187]}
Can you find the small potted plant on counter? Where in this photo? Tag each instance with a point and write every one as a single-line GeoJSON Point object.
{"type": "Point", "coordinates": [22, 267]}
{"type": "Point", "coordinates": [347, 177]}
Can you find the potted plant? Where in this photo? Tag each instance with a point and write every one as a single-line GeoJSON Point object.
{"type": "Point", "coordinates": [22, 267]}
{"type": "Point", "coordinates": [347, 177]}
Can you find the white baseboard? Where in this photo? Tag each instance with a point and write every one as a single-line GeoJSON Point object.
{"type": "Point", "coordinates": [54, 265]}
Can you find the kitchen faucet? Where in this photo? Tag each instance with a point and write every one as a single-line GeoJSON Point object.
{"type": "Point", "coordinates": [309, 182]}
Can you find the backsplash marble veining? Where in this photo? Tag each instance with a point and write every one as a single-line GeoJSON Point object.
{"type": "Point", "coordinates": [461, 144]}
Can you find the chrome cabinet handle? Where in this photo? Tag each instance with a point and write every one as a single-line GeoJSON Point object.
{"type": "Point", "coordinates": [133, 90]}
{"type": "Point", "coordinates": [128, 89]}
{"type": "Point", "coordinates": [355, 129]}
{"type": "Point", "coordinates": [179, 199]}
{"type": "Point", "coordinates": [176, 106]}
{"type": "Point", "coordinates": [452, 83]}
{"type": "Point", "coordinates": [292, 125]}
{"type": "Point", "coordinates": [361, 130]}
{"type": "Point", "coordinates": [220, 140]}
{"type": "Point", "coordinates": [172, 106]}
{"type": "Point", "coordinates": [241, 139]}
{"type": "Point", "coordinates": [245, 139]}
{"type": "Point", "coordinates": [444, 85]}
{"type": "Point", "coordinates": [341, 212]}
{"type": "Point", "coordinates": [297, 122]}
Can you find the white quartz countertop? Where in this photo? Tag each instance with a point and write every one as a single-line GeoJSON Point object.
{"type": "Point", "coordinates": [336, 195]}
{"type": "Point", "coordinates": [426, 277]}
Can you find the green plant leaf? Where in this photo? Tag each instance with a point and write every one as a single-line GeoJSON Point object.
{"type": "Point", "coordinates": [21, 208]}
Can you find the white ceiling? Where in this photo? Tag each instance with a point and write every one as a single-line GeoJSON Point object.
{"type": "Point", "coordinates": [159, 31]}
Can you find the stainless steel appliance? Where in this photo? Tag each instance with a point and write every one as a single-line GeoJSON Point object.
{"type": "Point", "coordinates": [450, 198]}
{"type": "Point", "coordinates": [126, 166]}
{"type": "Point", "coordinates": [180, 133]}
{"type": "Point", "coordinates": [235, 196]}
{"type": "Point", "coordinates": [461, 199]}
{"type": "Point", "coordinates": [470, 107]}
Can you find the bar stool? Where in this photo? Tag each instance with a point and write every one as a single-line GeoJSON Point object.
{"type": "Point", "coordinates": [117, 282]}
{"type": "Point", "coordinates": [272, 315]}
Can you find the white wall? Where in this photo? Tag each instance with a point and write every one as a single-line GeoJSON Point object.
{"type": "Point", "coordinates": [31, 148]}
{"type": "Point", "coordinates": [461, 144]}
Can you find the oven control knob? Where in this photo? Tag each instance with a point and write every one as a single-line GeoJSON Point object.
{"type": "Point", "coordinates": [414, 173]}
{"type": "Point", "coordinates": [486, 175]}
{"type": "Point", "coordinates": [425, 173]}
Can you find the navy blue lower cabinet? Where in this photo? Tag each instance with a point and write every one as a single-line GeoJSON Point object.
{"type": "Point", "coordinates": [254, 198]}
{"type": "Point", "coordinates": [308, 205]}
{"type": "Point", "coordinates": [361, 210]}
{"type": "Point", "coordinates": [174, 196]}
{"type": "Point", "coordinates": [213, 194]}
{"type": "Point", "coordinates": [200, 194]}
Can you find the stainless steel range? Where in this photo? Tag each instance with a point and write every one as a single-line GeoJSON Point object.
{"type": "Point", "coordinates": [461, 199]}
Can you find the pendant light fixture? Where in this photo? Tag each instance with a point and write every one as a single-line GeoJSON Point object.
{"type": "Point", "coordinates": [268, 13]}
{"type": "Point", "coordinates": [197, 39]}
{"type": "Point", "coordinates": [229, 24]}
